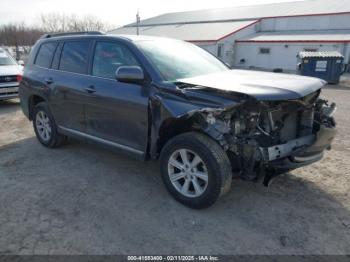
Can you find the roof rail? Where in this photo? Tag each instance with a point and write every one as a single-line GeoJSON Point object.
{"type": "Point", "coordinates": [71, 33]}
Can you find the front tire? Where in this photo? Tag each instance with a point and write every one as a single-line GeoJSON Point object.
{"type": "Point", "coordinates": [45, 127]}
{"type": "Point", "coordinates": [195, 170]}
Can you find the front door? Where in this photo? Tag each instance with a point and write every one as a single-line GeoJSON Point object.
{"type": "Point", "coordinates": [116, 112]}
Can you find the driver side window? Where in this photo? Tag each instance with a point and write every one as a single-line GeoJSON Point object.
{"type": "Point", "coordinates": [108, 57]}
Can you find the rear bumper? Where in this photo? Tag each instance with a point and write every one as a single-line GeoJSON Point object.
{"type": "Point", "coordinates": [300, 152]}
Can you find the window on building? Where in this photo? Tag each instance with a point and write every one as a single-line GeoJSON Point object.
{"type": "Point", "coordinates": [45, 54]}
{"type": "Point", "coordinates": [264, 50]}
{"type": "Point", "coordinates": [74, 56]}
{"type": "Point", "coordinates": [220, 50]}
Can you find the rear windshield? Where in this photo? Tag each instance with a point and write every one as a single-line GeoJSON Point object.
{"type": "Point", "coordinates": [6, 59]}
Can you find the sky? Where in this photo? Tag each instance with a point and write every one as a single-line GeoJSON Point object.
{"type": "Point", "coordinates": [113, 12]}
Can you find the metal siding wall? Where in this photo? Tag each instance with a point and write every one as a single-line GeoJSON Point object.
{"type": "Point", "coordinates": [212, 48]}
{"type": "Point", "coordinates": [324, 22]}
{"type": "Point", "coordinates": [228, 44]}
{"type": "Point", "coordinates": [347, 53]}
{"type": "Point", "coordinates": [279, 57]}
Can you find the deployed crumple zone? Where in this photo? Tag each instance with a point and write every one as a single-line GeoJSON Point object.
{"type": "Point", "coordinates": [259, 136]}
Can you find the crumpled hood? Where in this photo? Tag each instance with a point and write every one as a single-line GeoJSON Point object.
{"type": "Point", "coordinates": [261, 85]}
{"type": "Point", "coordinates": [10, 70]}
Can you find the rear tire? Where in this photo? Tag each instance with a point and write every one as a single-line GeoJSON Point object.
{"type": "Point", "coordinates": [195, 170]}
{"type": "Point", "coordinates": [45, 127]}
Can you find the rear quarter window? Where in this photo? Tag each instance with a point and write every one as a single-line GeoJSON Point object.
{"type": "Point", "coordinates": [74, 57]}
{"type": "Point", "coordinates": [45, 54]}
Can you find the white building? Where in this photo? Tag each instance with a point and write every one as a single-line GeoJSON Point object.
{"type": "Point", "coordinates": [264, 36]}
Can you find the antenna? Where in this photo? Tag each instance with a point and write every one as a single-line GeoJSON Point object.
{"type": "Point", "coordinates": [137, 22]}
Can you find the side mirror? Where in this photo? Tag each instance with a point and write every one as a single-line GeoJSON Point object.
{"type": "Point", "coordinates": [20, 62]}
{"type": "Point", "coordinates": [129, 74]}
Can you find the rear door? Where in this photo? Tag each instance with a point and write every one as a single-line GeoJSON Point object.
{"type": "Point", "coordinates": [36, 76]}
{"type": "Point", "coordinates": [68, 81]}
{"type": "Point", "coordinates": [116, 112]}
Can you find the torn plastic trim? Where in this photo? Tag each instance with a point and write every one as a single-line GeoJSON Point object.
{"type": "Point", "coordinates": [166, 107]}
{"type": "Point", "coordinates": [210, 123]}
{"type": "Point", "coordinates": [217, 121]}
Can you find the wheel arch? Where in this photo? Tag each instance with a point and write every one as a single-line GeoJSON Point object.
{"type": "Point", "coordinates": [33, 100]}
{"type": "Point", "coordinates": [172, 127]}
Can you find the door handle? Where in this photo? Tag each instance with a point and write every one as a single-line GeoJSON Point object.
{"type": "Point", "coordinates": [48, 80]}
{"type": "Point", "coordinates": [90, 89]}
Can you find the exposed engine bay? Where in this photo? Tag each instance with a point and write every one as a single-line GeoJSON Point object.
{"type": "Point", "coordinates": [273, 135]}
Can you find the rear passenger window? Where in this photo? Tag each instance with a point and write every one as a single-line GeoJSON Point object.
{"type": "Point", "coordinates": [45, 54]}
{"type": "Point", "coordinates": [109, 56]}
{"type": "Point", "coordinates": [74, 56]}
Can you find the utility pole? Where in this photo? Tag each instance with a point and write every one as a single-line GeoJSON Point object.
{"type": "Point", "coordinates": [137, 22]}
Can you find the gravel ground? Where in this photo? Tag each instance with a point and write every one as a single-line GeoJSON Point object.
{"type": "Point", "coordinates": [81, 199]}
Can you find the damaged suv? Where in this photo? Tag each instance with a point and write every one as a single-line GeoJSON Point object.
{"type": "Point", "coordinates": [161, 98]}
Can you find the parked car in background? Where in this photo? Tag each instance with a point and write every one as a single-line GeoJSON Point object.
{"type": "Point", "coordinates": [10, 76]}
{"type": "Point", "coordinates": [168, 99]}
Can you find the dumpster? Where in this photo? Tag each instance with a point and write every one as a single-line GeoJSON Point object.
{"type": "Point", "coordinates": [327, 65]}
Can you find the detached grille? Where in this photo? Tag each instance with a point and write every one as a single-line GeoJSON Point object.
{"type": "Point", "coordinates": [8, 79]}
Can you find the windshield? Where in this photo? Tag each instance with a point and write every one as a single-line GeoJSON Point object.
{"type": "Point", "coordinates": [176, 59]}
{"type": "Point", "coordinates": [6, 59]}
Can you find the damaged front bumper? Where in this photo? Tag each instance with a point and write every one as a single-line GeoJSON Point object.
{"type": "Point", "coordinates": [299, 152]}
{"type": "Point", "coordinates": [266, 139]}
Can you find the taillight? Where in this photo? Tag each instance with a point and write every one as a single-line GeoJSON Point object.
{"type": "Point", "coordinates": [19, 78]}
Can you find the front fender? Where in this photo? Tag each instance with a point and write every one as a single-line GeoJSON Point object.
{"type": "Point", "coordinates": [165, 108]}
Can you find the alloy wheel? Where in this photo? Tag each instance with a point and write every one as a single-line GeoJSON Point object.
{"type": "Point", "coordinates": [188, 173]}
{"type": "Point", "coordinates": [43, 125]}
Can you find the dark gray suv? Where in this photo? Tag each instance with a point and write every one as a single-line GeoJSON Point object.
{"type": "Point", "coordinates": [162, 98]}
